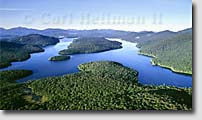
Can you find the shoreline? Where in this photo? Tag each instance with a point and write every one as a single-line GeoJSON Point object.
{"type": "Point", "coordinates": [21, 60]}
{"type": "Point", "coordinates": [9, 63]}
{"type": "Point", "coordinates": [164, 66]}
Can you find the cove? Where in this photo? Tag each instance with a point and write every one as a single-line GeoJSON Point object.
{"type": "Point", "coordinates": [128, 56]}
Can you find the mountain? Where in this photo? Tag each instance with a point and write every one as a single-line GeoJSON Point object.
{"type": "Point", "coordinates": [18, 31]}
{"type": "Point", "coordinates": [137, 36]}
{"type": "Point", "coordinates": [21, 31]}
{"type": "Point", "coordinates": [173, 51]}
{"type": "Point", "coordinates": [188, 30]}
{"type": "Point", "coordinates": [1, 30]}
{"type": "Point", "coordinates": [147, 38]}
{"type": "Point", "coordinates": [35, 39]}
{"type": "Point", "coordinates": [129, 36]}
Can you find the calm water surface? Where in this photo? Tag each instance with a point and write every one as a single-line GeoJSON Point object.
{"type": "Point", "coordinates": [128, 56]}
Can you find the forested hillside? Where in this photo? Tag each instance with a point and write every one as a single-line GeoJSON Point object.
{"type": "Point", "coordinates": [174, 52]}
{"type": "Point", "coordinates": [158, 36]}
{"type": "Point", "coordinates": [10, 52]}
{"type": "Point", "coordinates": [12, 94]}
{"type": "Point", "coordinates": [36, 39]}
{"type": "Point", "coordinates": [90, 45]}
{"type": "Point", "coordinates": [59, 58]}
{"type": "Point", "coordinates": [103, 85]}
{"type": "Point", "coordinates": [20, 48]}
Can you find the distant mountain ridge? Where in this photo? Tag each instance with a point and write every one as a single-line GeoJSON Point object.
{"type": "Point", "coordinates": [130, 36]}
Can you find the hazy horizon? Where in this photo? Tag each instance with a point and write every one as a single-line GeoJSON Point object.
{"type": "Point", "coordinates": [127, 15]}
{"type": "Point", "coordinates": [93, 29]}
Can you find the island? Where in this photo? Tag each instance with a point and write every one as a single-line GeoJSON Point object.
{"type": "Point", "coordinates": [90, 45]}
{"type": "Point", "coordinates": [59, 58]}
{"type": "Point", "coordinates": [101, 85]}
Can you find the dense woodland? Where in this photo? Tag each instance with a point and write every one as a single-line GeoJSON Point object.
{"type": "Point", "coordinates": [20, 48]}
{"type": "Point", "coordinates": [98, 86]}
{"type": "Point", "coordinates": [10, 52]}
{"type": "Point", "coordinates": [90, 45]}
{"type": "Point", "coordinates": [12, 93]}
{"type": "Point", "coordinates": [35, 39]}
{"type": "Point", "coordinates": [59, 58]}
{"type": "Point", "coordinates": [174, 52]}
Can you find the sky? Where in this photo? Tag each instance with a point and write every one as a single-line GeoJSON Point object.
{"type": "Point", "coordinates": [129, 15]}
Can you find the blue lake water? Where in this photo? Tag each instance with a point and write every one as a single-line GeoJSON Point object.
{"type": "Point", "coordinates": [128, 56]}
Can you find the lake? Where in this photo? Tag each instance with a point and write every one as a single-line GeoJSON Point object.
{"type": "Point", "coordinates": [128, 56]}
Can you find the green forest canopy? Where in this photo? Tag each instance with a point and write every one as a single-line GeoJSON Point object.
{"type": "Point", "coordinates": [174, 52]}
{"type": "Point", "coordinates": [10, 52]}
{"type": "Point", "coordinates": [90, 45]}
{"type": "Point", "coordinates": [59, 58]}
{"type": "Point", "coordinates": [20, 48]}
{"type": "Point", "coordinates": [103, 85]}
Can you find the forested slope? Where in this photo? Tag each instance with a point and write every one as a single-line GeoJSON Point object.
{"type": "Point", "coordinates": [20, 48]}
{"type": "Point", "coordinates": [103, 85]}
{"type": "Point", "coordinates": [35, 39]}
{"type": "Point", "coordinates": [12, 94]}
{"type": "Point", "coordinates": [10, 52]}
{"type": "Point", "coordinates": [174, 52]}
{"type": "Point", "coordinates": [90, 45]}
